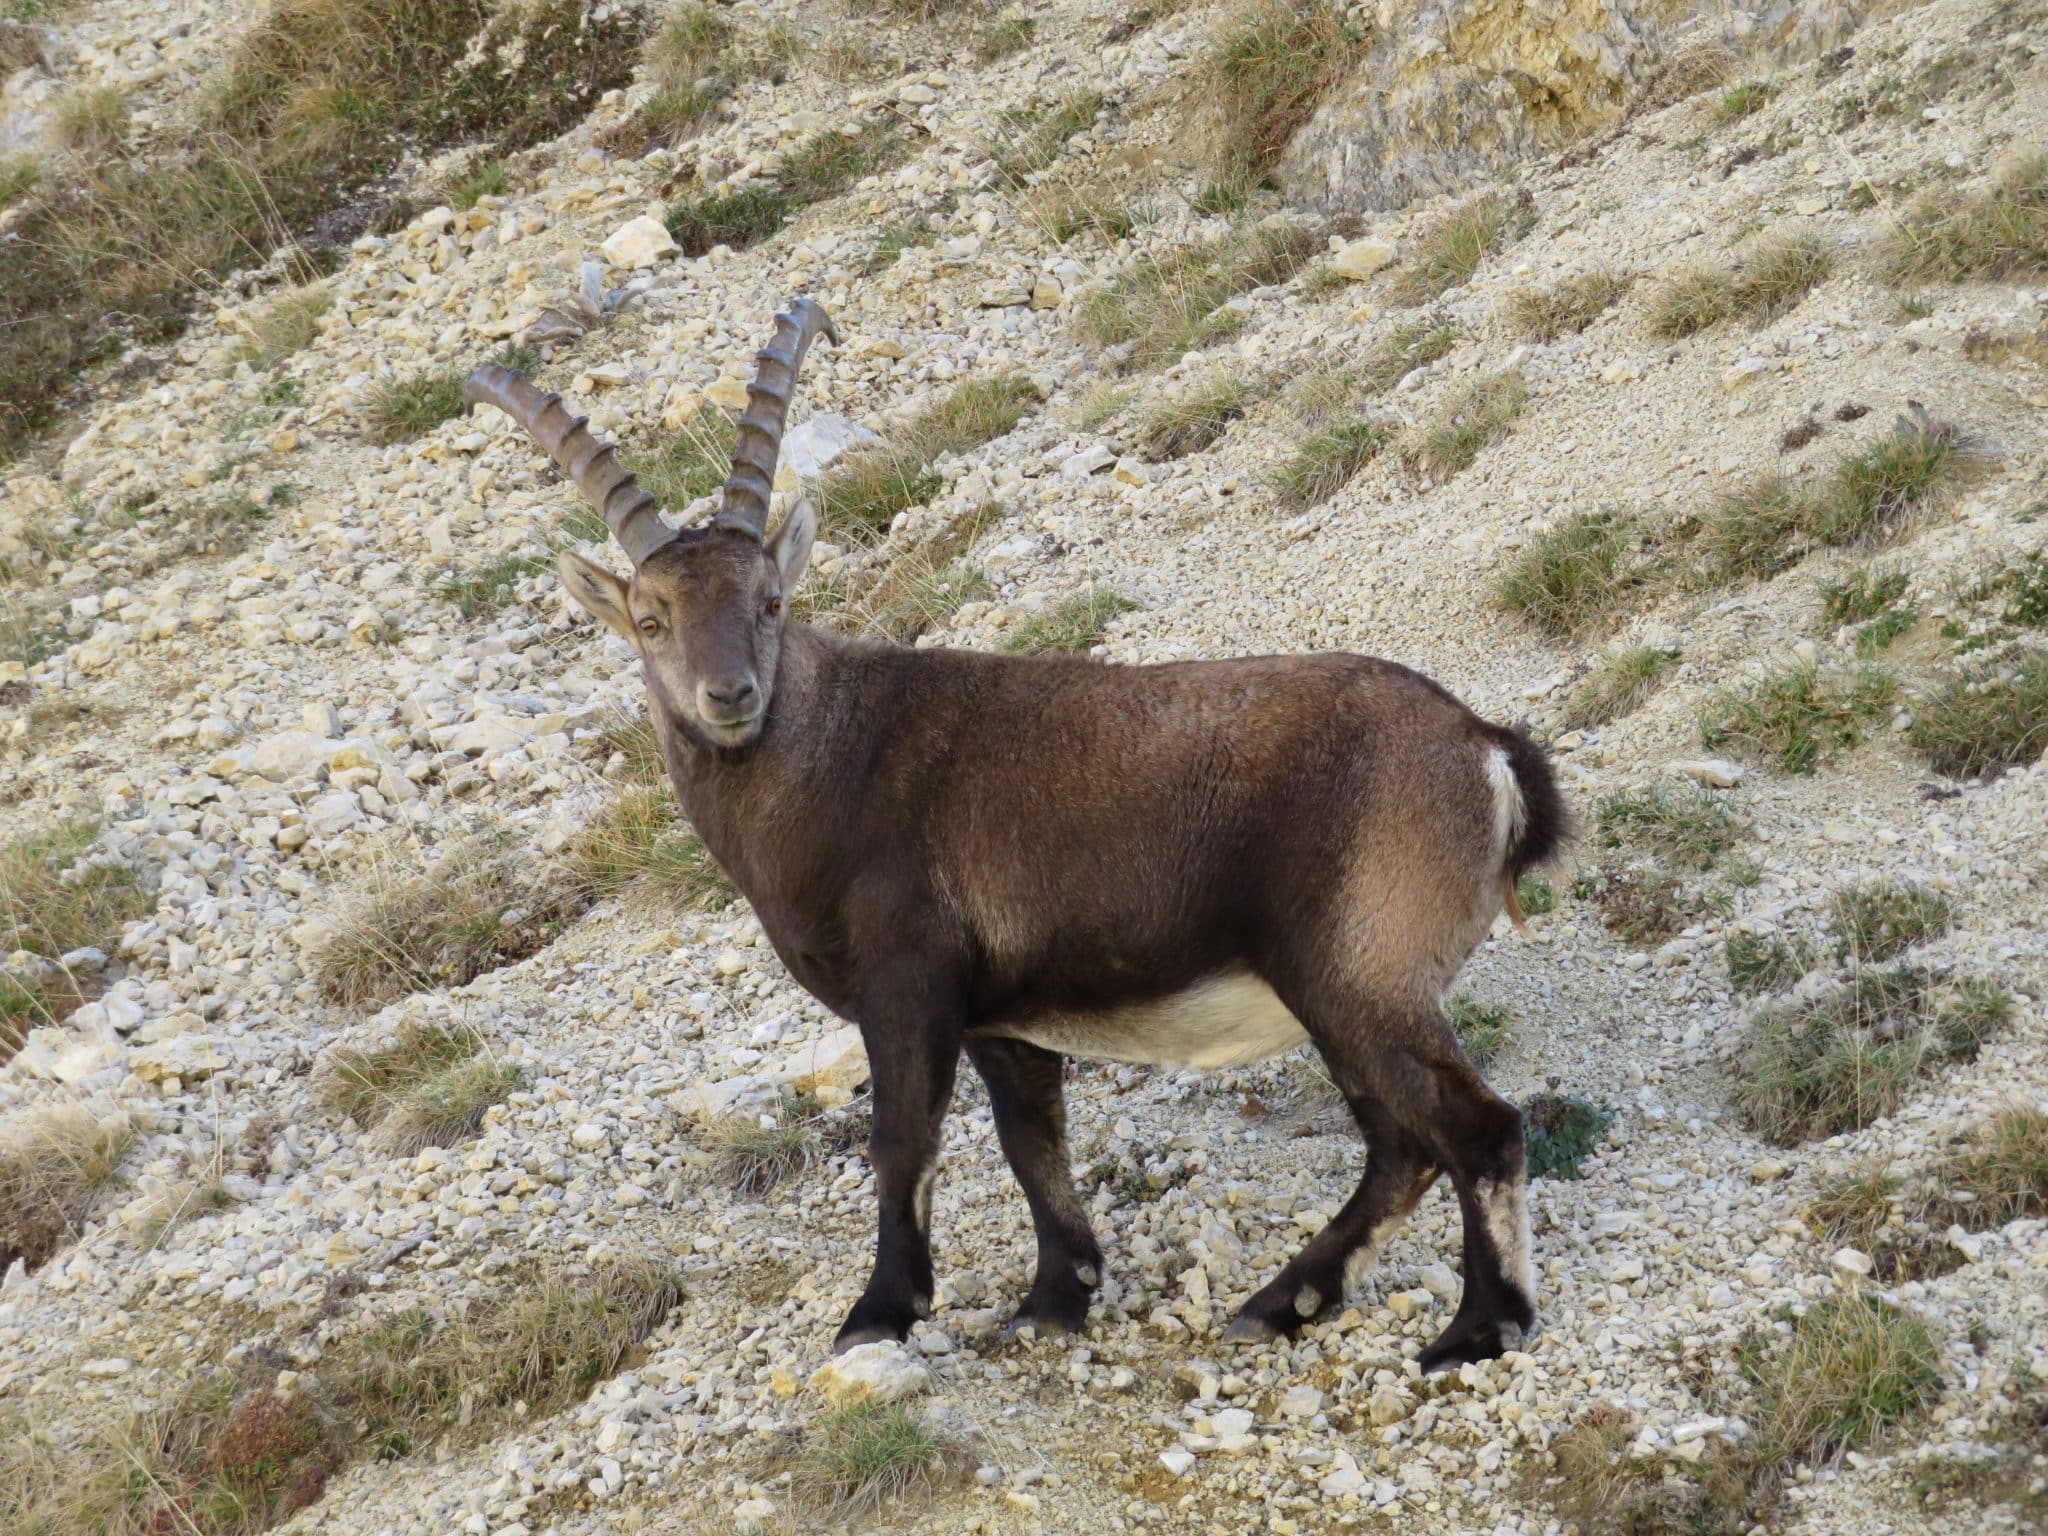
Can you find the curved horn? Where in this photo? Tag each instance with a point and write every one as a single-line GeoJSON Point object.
{"type": "Point", "coordinates": [745, 503]}
{"type": "Point", "coordinates": [628, 510]}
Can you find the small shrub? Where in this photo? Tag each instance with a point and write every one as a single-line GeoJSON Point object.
{"type": "Point", "coordinates": [1261, 80]}
{"type": "Point", "coordinates": [431, 1087]}
{"type": "Point", "coordinates": [401, 409]}
{"type": "Point", "coordinates": [1075, 623]}
{"type": "Point", "coordinates": [754, 1157]}
{"type": "Point", "coordinates": [1534, 894]}
{"type": "Point", "coordinates": [1195, 420]}
{"type": "Point", "coordinates": [290, 323]}
{"type": "Point", "coordinates": [1412, 344]}
{"type": "Point", "coordinates": [856, 1459]}
{"type": "Point", "coordinates": [737, 219]}
{"type": "Point", "coordinates": [1864, 593]}
{"type": "Point", "coordinates": [1000, 39]}
{"type": "Point", "coordinates": [1572, 574]}
{"type": "Point", "coordinates": [1567, 307]}
{"type": "Point", "coordinates": [53, 1161]}
{"type": "Point", "coordinates": [1692, 826]}
{"type": "Point", "coordinates": [486, 177]}
{"type": "Point", "coordinates": [1560, 1131]}
{"type": "Point", "coordinates": [1999, 234]}
{"type": "Point", "coordinates": [1324, 464]}
{"type": "Point", "coordinates": [1467, 425]}
{"type": "Point", "coordinates": [1640, 902]}
{"type": "Point", "coordinates": [1758, 964]}
{"type": "Point", "coordinates": [445, 926]}
{"type": "Point", "coordinates": [641, 837]}
{"type": "Point", "coordinates": [1620, 682]}
{"type": "Point", "coordinates": [1483, 1029]}
{"type": "Point", "coordinates": [1883, 919]}
{"type": "Point", "coordinates": [1873, 491]}
{"type": "Point", "coordinates": [1451, 251]}
{"type": "Point", "coordinates": [1982, 718]}
{"type": "Point", "coordinates": [2001, 1176]}
{"type": "Point", "coordinates": [1800, 716]}
{"type": "Point", "coordinates": [1166, 305]}
{"type": "Point", "coordinates": [1740, 101]}
{"type": "Point", "coordinates": [1855, 1366]}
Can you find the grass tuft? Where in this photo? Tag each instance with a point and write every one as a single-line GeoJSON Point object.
{"type": "Point", "coordinates": [641, 837]}
{"type": "Point", "coordinates": [1800, 715]}
{"type": "Point", "coordinates": [1193, 421]}
{"type": "Point", "coordinates": [1770, 282]}
{"type": "Point", "coordinates": [1692, 827]}
{"type": "Point", "coordinates": [1452, 249]}
{"type": "Point", "coordinates": [1166, 305]}
{"type": "Point", "coordinates": [1002, 38]}
{"type": "Point", "coordinates": [822, 166]}
{"type": "Point", "coordinates": [1469, 424]}
{"type": "Point", "coordinates": [56, 898]}
{"type": "Point", "coordinates": [399, 410]}
{"type": "Point", "coordinates": [1742, 100]}
{"type": "Point", "coordinates": [1323, 465]}
{"type": "Point", "coordinates": [1861, 594]}
{"type": "Point", "coordinates": [856, 1459]}
{"type": "Point", "coordinates": [1567, 307]}
{"type": "Point", "coordinates": [876, 483]}
{"type": "Point", "coordinates": [1620, 682]}
{"type": "Point", "coordinates": [2001, 1176]}
{"type": "Point", "coordinates": [487, 177]}
{"type": "Point", "coordinates": [54, 1160]}
{"type": "Point", "coordinates": [290, 323]}
{"type": "Point", "coordinates": [1029, 139]}
{"type": "Point", "coordinates": [1757, 964]}
{"type": "Point", "coordinates": [1856, 1365]}
{"type": "Point", "coordinates": [1483, 1029]}
{"type": "Point", "coordinates": [1882, 919]}
{"type": "Point", "coordinates": [1412, 344]}
{"type": "Point", "coordinates": [1261, 80]}
{"type": "Point", "coordinates": [755, 1154]}
{"type": "Point", "coordinates": [1981, 718]}
{"type": "Point", "coordinates": [430, 1087]}
{"type": "Point", "coordinates": [1572, 574]}
{"type": "Point", "coordinates": [2000, 234]}
{"type": "Point", "coordinates": [1075, 623]}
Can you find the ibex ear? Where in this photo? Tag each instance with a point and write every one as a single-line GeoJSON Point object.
{"type": "Point", "coordinates": [790, 549]}
{"type": "Point", "coordinates": [596, 590]}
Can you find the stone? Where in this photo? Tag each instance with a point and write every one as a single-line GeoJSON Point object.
{"type": "Point", "coordinates": [838, 1060]}
{"type": "Point", "coordinates": [818, 442]}
{"type": "Point", "coordinates": [753, 1512]}
{"type": "Point", "coordinates": [917, 95]}
{"type": "Point", "coordinates": [1177, 1462]}
{"type": "Point", "coordinates": [638, 242]}
{"type": "Point", "coordinates": [1300, 1402]}
{"type": "Point", "coordinates": [59, 1054]}
{"type": "Point", "coordinates": [1046, 292]}
{"type": "Point", "coordinates": [488, 733]}
{"type": "Point", "coordinates": [333, 812]}
{"type": "Point", "coordinates": [185, 1057]}
{"type": "Point", "coordinates": [728, 394]}
{"type": "Point", "coordinates": [1744, 373]}
{"type": "Point", "coordinates": [291, 753]}
{"type": "Point", "coordinates": [1360, 259]}
{"type": "Point", "coordinates": [1714, 772]}
{"type": "Point", "coordinates": [1387, 1407]}
{"type": "Point", "coordinates": [881, 1372]}
{"type": "Point", "coordinates": [1089, 461]}
{"type": "Point", "coordinates": [590, 1136]}
{"type": "Point", "coordinates": [1440, 1280]}
{"type": "Point", "coordinates": [1852, 1261]}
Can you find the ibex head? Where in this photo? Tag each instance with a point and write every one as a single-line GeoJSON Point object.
{"type": "Point", "coordinates": [704, 607]}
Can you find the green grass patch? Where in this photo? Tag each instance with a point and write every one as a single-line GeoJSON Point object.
{"type": "Point", "coordinates": [1000, 39]}
{"type": "Point", "coordinates": [1620, 682]}
{"type": "Point", "coordinates": [855, 1460]}
{"type": "Point", "coordinates": [1690, 826]}
{"type": "Point", "coordinates": [1029, 139]}
{"type": "Point", "coordinates": [1484, 1030]}
{"type": "Point", "coordinates": [1566, 307]}
{"type": "Point", "coordinates": [57, 897]}
{"type": "Point", "coordinates": [1325, 463]}
{"type": "Point", "coordinates": [1560, 1131]}
{"type": "Point", "coordinates": [1260, 81]}
{"type": "Point", "coordinates": [1997, 235]}
{"type": "Point", "coordinates": [399, 410]}
{"type": "Point", "coordinates": [1882, 919]}
{"type": "Point", "coordinates": [486, 177]}
{"type": "Point", "coordinates": [1982, 717]}
{"type": "Point", "coordinates": [874, 484]}
{"type": "Point", "coordinates": [1166, 305]}
{"type": "Point", "coordinates": [1772, 278]}
{"type": "Point", "coordinates": [1076, 622]}
{"type": "Point", "coordinates": [430, 1087]}
{"type": "Point", "coordinates": [1740, 101]}
{"type": "Point", "coordinates": [55, 1159]}
{"type": "Point", "coordinates": [1193, 421]}
{"type": "Point", "coordinates": [1862, 594]}
{"type": "Point", "coordinates": [1574, 574]}
{"type": "Point", "coordinates": [1467, 425]}
{"type": "Point", "coordinates": [1450, 251]}
{"type": "Point", "coordinates": [641, 838]}
{"type": "Point", "coordinates": [1800, 715]}
{"type": "Point", "coordinates": [1759, 964]}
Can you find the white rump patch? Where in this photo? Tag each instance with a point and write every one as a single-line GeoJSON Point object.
{"type": "Point", "coordinates": [1228, 1021]}
{"type": "Point", "coordinates": [1509, 811]}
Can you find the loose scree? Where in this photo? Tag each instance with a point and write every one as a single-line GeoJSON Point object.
{"type": "Point", "coordinates": [1197, 864]}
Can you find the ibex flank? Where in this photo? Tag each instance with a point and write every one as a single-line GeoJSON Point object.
{"type": "Point", "coordinates": [1198, 864]}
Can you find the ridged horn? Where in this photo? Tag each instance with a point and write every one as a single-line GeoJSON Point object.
{"type": "Point", "coordinates": [745, 502]}
{"type": "Point", "coordinates": [584, 457]}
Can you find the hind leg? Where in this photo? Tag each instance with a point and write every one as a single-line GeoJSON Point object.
{"type": "Point", "coordinates": [1398, 1173]}
{"type": "Point", "coordinates": [1029, 1100]}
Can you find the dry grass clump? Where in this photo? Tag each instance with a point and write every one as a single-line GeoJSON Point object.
{"type": "Point", "coordinates": [1620, 682]}
{"type": "Point", "coordinates": [1410, 345]}
{"type": "Point", "coordinates": [91, 120]}
{"type": "Point", "coordinates": [1451, 250]}
{"type": "Point", "coordinates": [1854, 1367]}
{"type": "Point", "coordinates": [1742, 100]}
{"type": "Point", "coordinates": [531, 1350]}
{"type": "Point", "coordinates": [399, 410]}
{"type": "Point", "coordinates": [1982, 717]}
{"type": "Point", "coordinates": [1193, 421]}
{"type": "Point", "coordinates": [430, 1087]}
{"type": "Point", "coordinates": [1999, 234]}
{"type": "Point", "coordinates": [854, 1460]}
{"type": "Point", "coordinates": [315, 101]}
{"type": "Point", "coordinates": [692, 67]}
{"type": "Point", "coordinates": [1064, 212]}
{"type": "Point", "coordinates": [1260, 81]}
{"type": "Point", "coordinates": [1000, 39]}
{"type": "Point", "coordinates": [1835, 1062]}
{"type": "Point", "coordinates": [1076, 622]}
{"type": "Point", "coordinates": [754, 1153]}
{"type": "Point", "coordinates": [1029, 139]}
{"type": "Point", "coordinates": [1802, 714]}
{"type": "Point", "coordinates": [1172, 303]}
{"type": "Point", "coordinates": [688, 463]}
{"type": "Point", "coordinates": [870, 486]}
{"type": "Point", "coordinates": [1567, 307]}
{"type": "Point", "coordinates": [54, 899]}
{"type": "Point", "coordinates": [1325, 463]}
{"type": "Point", "coordinates": [1572, 575]}
{"type": "Point", "coordinates": [2001, 1176]}
{"type": "Point", "coordinates": [1469, 424]}
{"type": "Point", "coordinates": [822, 166]}
{"type": "Point", "coordinates": [1691, 827]}
{"type": "Point", "coordinates": [1600, 1486]}
{"type": "Point", "coordinates": [642, 837]}
{"type": "Point", "coordinates": [291, 322]}
{"type": "Point", "coordinates": [1882, 919]}
{"type": "Point", "coordinates": [1771, 280]}
{"type": "Point", "coordinates": [1484, 1030]}
{"type": "Point", "coordinates": [1758, 964]}
{"type": "Point", "coordinates": [444, 926]}
{"type": "Point", "coordinates": [53, 1161]}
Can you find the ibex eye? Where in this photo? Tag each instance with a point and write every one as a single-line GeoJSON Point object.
{"type": "Point", "coordinates": [650, 626]}
{"type": "Point", "coordinates": [774, 607]}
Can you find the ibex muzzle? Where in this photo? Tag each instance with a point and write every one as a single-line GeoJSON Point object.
{"type": "Point", "coordinates": [1197, 864]}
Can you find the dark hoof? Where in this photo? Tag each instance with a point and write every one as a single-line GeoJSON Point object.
{"type": "Point", "coordinates": [1050, 1314]}
{"type": "Point", "coordinates": [1246, 1328]}
{"type": "Point", "coordinates": [869, 1323]}
{"type": "Point", "coordinates": [1463, 1344]}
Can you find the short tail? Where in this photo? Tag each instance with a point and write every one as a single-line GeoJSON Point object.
{"type": "Point", "coordinates": [1531, 824]}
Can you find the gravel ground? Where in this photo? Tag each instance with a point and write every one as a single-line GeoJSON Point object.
{"type": "Point", "coordinates": [275, 730]}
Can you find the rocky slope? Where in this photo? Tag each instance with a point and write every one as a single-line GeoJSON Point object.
{"type": "Point", "coordinates": [272, 733]}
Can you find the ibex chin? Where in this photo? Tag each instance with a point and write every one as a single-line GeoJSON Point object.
{"type": "Point", "coordinates": [1198, 864]}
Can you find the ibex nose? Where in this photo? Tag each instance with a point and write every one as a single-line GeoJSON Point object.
{"type": "Point", "coordinates": [729, 700]}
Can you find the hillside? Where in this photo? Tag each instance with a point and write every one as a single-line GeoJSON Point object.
{"type": "Point", "coordinates": [404, 1128]}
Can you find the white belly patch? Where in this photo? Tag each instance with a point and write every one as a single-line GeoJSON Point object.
{"type": "Point", "coordinates": [1227, 1021]}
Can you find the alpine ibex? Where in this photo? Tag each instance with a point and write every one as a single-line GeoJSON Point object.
{"type": "Point", "coordinates": [1198, 864]}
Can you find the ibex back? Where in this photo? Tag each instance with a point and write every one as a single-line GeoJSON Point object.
{"type": "Point", "coordinates": [1199, 864]}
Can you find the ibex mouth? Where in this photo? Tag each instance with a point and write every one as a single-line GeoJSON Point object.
{"type": "Point", "coordinates": [734, 732]}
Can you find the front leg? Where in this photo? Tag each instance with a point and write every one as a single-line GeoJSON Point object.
{"type": "Point", "coordinates": [913, 1051]}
